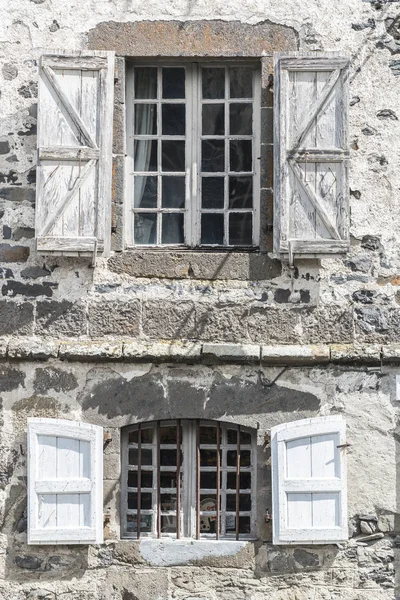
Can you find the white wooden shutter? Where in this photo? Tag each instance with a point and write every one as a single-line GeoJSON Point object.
{"type": "Point", "coordinates": [65, 482]}
{"type": "Point", "coordinates": [75, 113]}
{"type": "Point", "coordinates": [309, 481]}
{"type": "Point", "coordinates": [311, 154]}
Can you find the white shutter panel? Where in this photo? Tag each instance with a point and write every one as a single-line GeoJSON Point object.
{"type": "Point", "coordinates": [65, 482]}
{"type": "Point", "coordinates": [311, 154]}
{"type": "Point", "coordinates": [75, 113]}
{"type": "Point", "coordinates": [309, 481]}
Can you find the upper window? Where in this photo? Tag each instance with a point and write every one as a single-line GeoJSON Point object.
{"type": "Point", "coordinates": [193, 155]}
{"type": "Point", "coordinates": [174, 472]}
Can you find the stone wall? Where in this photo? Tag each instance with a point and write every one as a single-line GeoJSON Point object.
{"type": "Point", "coordinates": [129, 303]}
{"type": "Point", "coordinates": [114, 395]}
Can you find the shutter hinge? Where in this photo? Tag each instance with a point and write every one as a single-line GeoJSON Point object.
{"type": "Point", "coordinates": [343, 446]}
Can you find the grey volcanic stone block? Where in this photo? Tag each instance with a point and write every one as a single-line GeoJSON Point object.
{"type": "Point", "coordinates": [221, 322]}
{"type": "Point", "coordinates": [332, 324]}
{"type": "Point", "coordinates": [16, 318]}
{"type": "Point", "coordinates": [114, 318]}
{"type": "Point", "coordinates": [60, 318]}
{"type": "Point", "coordinates": [268, 324]}
{"type": "Point", "coordinates": [169, 320]}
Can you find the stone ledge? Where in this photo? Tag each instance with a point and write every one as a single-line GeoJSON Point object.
{"type": "Point", "coordinates": [288, 355]}
{"type": "Point", "coordinates": [36, 348]}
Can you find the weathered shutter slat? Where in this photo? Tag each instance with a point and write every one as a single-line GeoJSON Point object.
{"type": "Point", "coordinates": [311, 215]}
{"type": "Point", "coordinates": [309, 481]}
{"type": "Point", "coordinates": [73, 197]}
{"type": "Point", "coordinates": [65, 482]}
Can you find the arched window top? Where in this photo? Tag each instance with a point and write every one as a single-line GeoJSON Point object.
{"type": "Point", "coordinates": [188, 478]}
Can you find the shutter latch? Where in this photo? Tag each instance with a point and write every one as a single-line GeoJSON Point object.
{"type": "Point", "coordinates": [343, 446]}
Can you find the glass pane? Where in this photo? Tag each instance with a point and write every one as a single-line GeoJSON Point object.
{"type": "Point", "coordinates": [133, 437]}
{"type": "Point", "coordinates": [231, 435]}
{"type": "Point", "coordinates": [212, 192]}
{"type": "Point", "coordinates": [145, 228]}
{"type": "Point", "coordinates": [145, 155]}
{"type": "Point", "coordinates": [168, 479]}
{"type": "Point", "coordinates": [145, 192]}
{"type": "Point", "coordinates": [208, 479]}
{"type": "Point", "coordinates": [173, 192]}
{"type": "Point", "coordinates": [146, 436]}
{"type": "Point", "coordinates": [173, 155]}
{"type": "Point", "coordinates": [145, 83]}
{"type": "Point", "coordinates": [208, 458]}
{"type": "Point", "coordinates": [168, 457]}
{"type": "Point", "coordinates": [147, 456]}
{"type": "Point", "coordinates": [173, 80]}
{"type": "Point", "coordinates": [208, 524]}
{"type": "Point", "coordinates": [245, 480]}
{"type": "Point", "coordinates": [172, 229]}
{"type": "Point", "coordinates": [213, 117]}
{"type": "Point", "coordinates": [168, 524]}
{"type": "Point", "coordinates": [240, 229]}
{"type": "Point", "coordinates": [213, 82]}
{"type": "Point", "coordinates": [212, 229]}
{"type": "Point", "coordinates": [244, 502]}
{"type": "Point", "coordinates": [173, 119]}
{"type": "Point", "coordinates": [208, 502]}
{"type": "Point", "coordinates": [146, 479]}
{"type": "Point", "coordinates": [240, 119]}
{"type": "Point", "coordinates": [168, 502]}
{"type": "Point", "coordinates": [241, 82]}
{"type": "Point", "coordinates": [168, 435]}
{"type": "Point", "coordinates": [245, 437]}
{"type": "Point", "coordinates": [145, 119]}
{"type": "Point", "coordinates": [145, 523]}
{"type": "Point", "coordinates": [213, 156]}
{"type": "Point", "coordinates": [241, 155]}
{"type": "Point", "coordinates": [208, 435]}
{"type": "Point", "coordinates": [145, 501]}
{"type": "Point", "coordinates": [245, 458]}
{"type": "Point", "coordinates": [244, 524]}
{"type": "Point", "coordinates": [240, 192]}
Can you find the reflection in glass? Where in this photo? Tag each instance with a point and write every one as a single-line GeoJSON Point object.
{"type": "Point", "coordinates": [146, 436]}
{"type": "Point", "coordinates": [213, 82]}
{"type": "Point", "coordinates": [208, 458]}
{"type": "Point", "coordinates": [240, 229]}
{"type": "Point", "coordinates": [147, 456]}
{"type": "Point", "coordinates": [212, 192]}
{"type": "Point", "coordinates": [168, 435]}
{"type": "Point", "coordinates": [173, 155]}
{"type": "Point", "coordinates": [240, 119]}
{"type": "Point", "coordinates": [212, 156]}
{"type": "Point", "coordinates": [173, 192]}
{"type": "Point", "coordinates": [145, 83]}
{"type": "Point", "coordinates": [241, 155]}
{"type": "Point", "coordinates": [145, 228]}
{"type": "Point", "coordinates": [145, 501]}
{"type": "Point", "coordinates": [244, 524]}
{"type": "Point", "coordinates": [145, 119]}
{"type": "Point", "coordinates": [145, 155]}
{"type": "Point", "coordinates": [172, 228]}
{"type": "Point", "coordinates": [213, 119]}
{"type": "Point", "coordinates": [173, 82]}
{"type": "Point", "coordinates": [168, 523]}
{"type": "Point", "coordinates": [245, 437]}
{"type": "Point", "coordinates": [240, 192]}
{"type": "Point", "coordinates": [208, 434]}
{"type": "Point", "coordinates": [168, 479]}
{"type": "Point", "coordinates": [241, 82]}
{"type": "Point", "coordinates": [173, 119]}
{"type": "Point", "coordinates": [145, 523]}
{"type": "Point", "coordinates": [146, 479]}
{"type": "Point", "coordinates": [231, 457]}
{"type": "Point", "coordinates": [145, 191]}
{"type": "Point", "coordinates": [212, 229]}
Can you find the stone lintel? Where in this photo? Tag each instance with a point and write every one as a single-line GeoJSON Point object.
{"type": "Point", "coordinates": [351, 354]}
{"type": "Point", "coordinates": [293, 355]}
{"type": "Point", "coordinates": [238, 353]}
{"type": "Point", "coordinates": [32, 348]}
{"type": "Point", "coordinates": [391, 354]}
{"type": "Point", "coordinates": [90, 350]}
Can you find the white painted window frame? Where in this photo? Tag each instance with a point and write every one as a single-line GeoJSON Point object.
{"type": "Point", "coordinates": [93, 485]}
{"type": "Point", "coordinates": [188, 488]}
{"type": "Point", "coordinates": [281, 485]}
{"type": "Point", "coordinates": [193, 137]}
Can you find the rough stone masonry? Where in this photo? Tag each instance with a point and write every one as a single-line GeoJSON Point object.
{"type": "Point", "coordinates": [237, 337]}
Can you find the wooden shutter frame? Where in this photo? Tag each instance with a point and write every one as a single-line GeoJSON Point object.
{"type": "Point", "coordinates": [92, 152]}
{"type": "Point", "coordinates": [283, 244]}
{"type": "Point", "coordinates": [296, 430]}
{"type": "Point", "coordinates": [75, 430]}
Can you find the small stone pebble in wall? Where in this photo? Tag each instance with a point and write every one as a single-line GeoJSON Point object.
{"type": "Point", "coordinates": [54, 26]}
{"type": "Point", "coordinates": [9, 71]}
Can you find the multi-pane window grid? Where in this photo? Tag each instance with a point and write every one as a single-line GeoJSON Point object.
{"type": "Point", "coordinates": [174, 468]}
{"type": "Point", "coordinates": [193, 147]}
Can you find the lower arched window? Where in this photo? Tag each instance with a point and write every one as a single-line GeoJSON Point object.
{"type": "Point", "coordinates": [188, 478]}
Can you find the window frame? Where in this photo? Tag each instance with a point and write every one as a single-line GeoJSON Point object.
{"type": "Point", "coordinates": [190, 491]}
{"type": "Point", "coordinates": [193, 101]}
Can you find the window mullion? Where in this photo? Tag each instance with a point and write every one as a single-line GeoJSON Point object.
{"type": "Point", "coordinates": [194, 132]}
